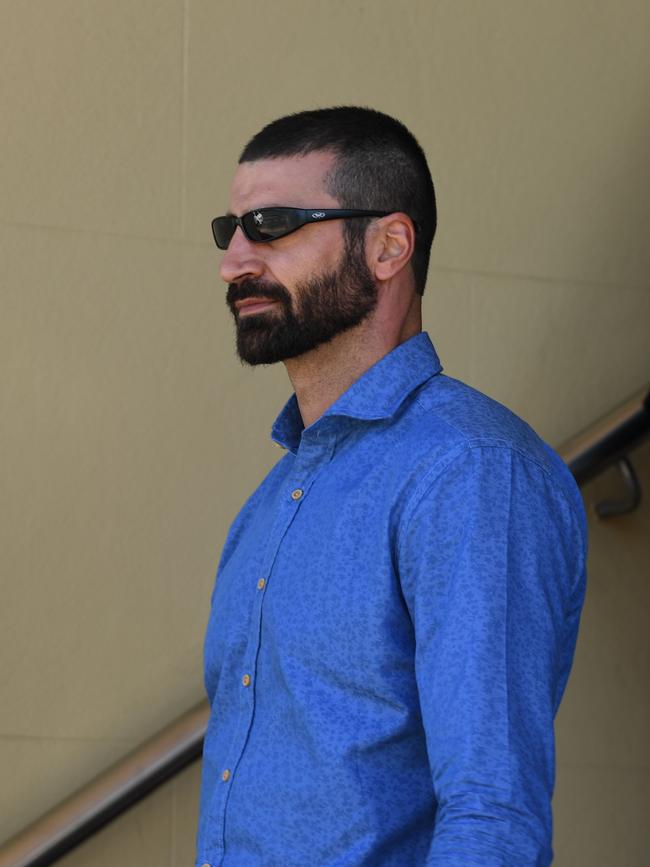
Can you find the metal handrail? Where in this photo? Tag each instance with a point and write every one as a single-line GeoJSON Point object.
{"type": "Point", "coordinates": [179, 744]}
{"type": "Point", "coordinates": [609, 438]}
{"type": "Point", "coordinates": [110, 793]}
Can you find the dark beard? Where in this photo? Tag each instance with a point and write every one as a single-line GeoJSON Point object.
{"type": "Point", "coordinates": [325, 306]}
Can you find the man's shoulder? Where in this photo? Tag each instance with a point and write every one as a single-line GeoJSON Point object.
{"type": "Point", "coordinates": [452, 416]}
{"type": "Point", "coordinates": [456, 414]}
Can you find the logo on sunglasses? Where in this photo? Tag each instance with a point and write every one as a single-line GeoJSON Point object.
{"type": "Point", "coordinates": [259, 218]}
{"type": "Point", "coordinates": [318, 215]}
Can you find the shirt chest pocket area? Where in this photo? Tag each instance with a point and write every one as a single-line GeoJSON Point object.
{"type": "Point", "coordinates": [332, 612]}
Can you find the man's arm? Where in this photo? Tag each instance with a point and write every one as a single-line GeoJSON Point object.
{"type": "Point", "coordinates": [491, 559]}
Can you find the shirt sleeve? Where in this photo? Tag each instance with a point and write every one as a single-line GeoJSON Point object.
{"type": "Point", "coordinates": [491, 558]}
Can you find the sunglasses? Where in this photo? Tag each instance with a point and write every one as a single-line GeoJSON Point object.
{"type": "Point", "coordinates": [268, 224]}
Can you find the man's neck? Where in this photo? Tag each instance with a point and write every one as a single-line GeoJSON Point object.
{"type": "Point", "coordinates": [321, 376]}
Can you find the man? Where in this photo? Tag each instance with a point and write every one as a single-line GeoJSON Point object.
{"type": "Point", "coordinates": [396, 605]}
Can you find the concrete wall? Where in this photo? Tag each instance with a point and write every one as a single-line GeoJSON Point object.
{"type": "Point", "coordinates": [130, 433]}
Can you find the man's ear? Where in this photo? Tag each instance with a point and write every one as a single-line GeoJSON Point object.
{"type": "Point", "coordinates": [392, 245]}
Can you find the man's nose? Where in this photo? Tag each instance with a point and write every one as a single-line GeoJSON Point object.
{"type": "Point", "coordinates": [241, 259]}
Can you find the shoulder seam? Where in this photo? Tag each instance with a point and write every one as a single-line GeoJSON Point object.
{"type": "Point", "coordinates": [425, 408]}
{"type": "Point", "coordinates": [431, 476]}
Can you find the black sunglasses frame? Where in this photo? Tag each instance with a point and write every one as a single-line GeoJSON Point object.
{"type": "Point", "coordinates": [223, 228]}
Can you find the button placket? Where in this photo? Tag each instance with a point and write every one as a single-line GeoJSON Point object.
{"type": "Point", "coordinates": [306, 468]}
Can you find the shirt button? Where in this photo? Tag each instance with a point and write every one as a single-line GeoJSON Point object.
{"type": "Point", "coordinates": [246, 679]}
{"type": "Point", "coordinates": [225, 776]}
{"type": "Point", "coordinates": [261, 583]}
{"type": "Point", "coordinates": [297, 494]}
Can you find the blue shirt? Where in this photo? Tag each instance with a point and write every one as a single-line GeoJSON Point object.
{"type": "Point", "coordinates": [391, 631]}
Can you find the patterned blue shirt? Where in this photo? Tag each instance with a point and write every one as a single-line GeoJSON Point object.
{"type": "Point", "coordinates": [391, 631]}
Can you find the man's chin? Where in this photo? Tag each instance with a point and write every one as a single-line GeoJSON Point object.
{"type": "Point", "coordinates": [254, 347]}
{"type": "Point", "coordinates": [260, 346]}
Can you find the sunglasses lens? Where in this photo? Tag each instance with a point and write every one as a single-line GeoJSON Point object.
{"type": "Point", "coordinates": [223, 228]}
{"type": "Point", "coordinates": [270, 223]}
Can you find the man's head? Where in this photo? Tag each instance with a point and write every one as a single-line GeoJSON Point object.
{"type": "Point", "coordinates": [319, 275]}
{"type": "Point", "coordinates": [378, 165]}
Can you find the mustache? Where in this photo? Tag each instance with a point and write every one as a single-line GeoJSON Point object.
{"type": "Point", "coordinates": [251, 288]}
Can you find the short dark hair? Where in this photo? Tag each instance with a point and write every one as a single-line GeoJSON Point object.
{"type": "Point", "coordinates": [379, 166]}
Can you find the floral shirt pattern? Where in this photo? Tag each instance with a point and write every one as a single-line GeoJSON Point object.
{"type": "Point", "coordinates": [391, 631]}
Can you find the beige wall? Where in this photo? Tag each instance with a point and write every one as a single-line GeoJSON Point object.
{"type": "Point", "coordinates": [131, 434]}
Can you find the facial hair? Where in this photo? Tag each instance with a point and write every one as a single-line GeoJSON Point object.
{"type": "Point", "coordinates": [321, 307]}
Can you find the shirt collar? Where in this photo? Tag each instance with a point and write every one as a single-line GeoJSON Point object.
{"type": "Point", "coordinates": [377, 394]}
